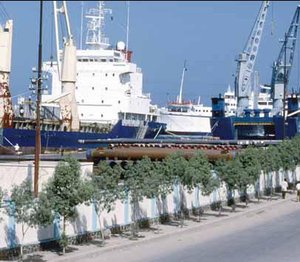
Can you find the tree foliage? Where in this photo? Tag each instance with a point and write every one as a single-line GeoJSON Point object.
{"type": "Point", "coordinates": [23, 208]}
{"type": "Point", "coordinates": [198, 174]}
{"type": "Point", "coordinates": [105, 188]}
{"type": "Point", "coordinates": [66, 189]}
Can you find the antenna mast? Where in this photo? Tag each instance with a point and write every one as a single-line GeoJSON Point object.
{"type": "Point", "coordinates": [127, 27]}
{"type": "Point", "coordinates": [181, 83]}
{"type": "Point", "coordinates": [95, 37]}
{"type": "Point", "coordinates": [81, 24]}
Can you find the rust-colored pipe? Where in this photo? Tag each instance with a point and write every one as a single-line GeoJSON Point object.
{"type": "Point", "coordinates": [136, 153]}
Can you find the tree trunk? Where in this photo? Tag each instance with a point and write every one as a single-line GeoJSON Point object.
{"type": "Point", "coordinates": [134, 225]}
{"type": "Point", "coordinates": [294, 179]}
{"type": "Point", "coordinates": [265, 184]}
{"type": "Point", "coordinates": [21, 243]}
{"type": "Point", "coordinates": [100, 226]}
{"type": "Point", "coordinates": [21, 251]}
{"type": "Point", "coordinates": [220, 206]}
{"type": "Point", "coordinates": [64, 233]}
{"type": "Point", "coordinates": [246, 197]}
{"type": "Point", "coordinates": [258, 188]}
{"type": "Point", "coordinates": [159, 213]}
{"type": "Point", "coordinates": [233, 201]}
{"type": "Point", "coordinates": [271, 187]}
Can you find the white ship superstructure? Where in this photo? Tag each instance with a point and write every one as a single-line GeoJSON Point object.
{"type": "Point", "coordinates": [264, 100]}
{"type": "Point", "coordinates": [184, 117]}
{"type": "Point", "coordinates": [109, 87]}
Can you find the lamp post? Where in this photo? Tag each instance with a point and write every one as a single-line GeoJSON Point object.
{"type": "Point", "coordinates": [38, 102]}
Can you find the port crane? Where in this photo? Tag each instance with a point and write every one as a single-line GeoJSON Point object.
{"type": "Point", "coordinates": [283, 65]}
{"type": "Point", "coordinates": [246, 60]}
{"type": "Point", "coordinates": [66, 66]}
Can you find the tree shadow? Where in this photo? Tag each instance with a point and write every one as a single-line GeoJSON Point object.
{"type": "Point", "coordinates": [229, 210]}
{"type": "Point", "coordinates": [34, 258]}
{"type": "Point", "coordinates": [207, 214]}
{"type": "Point", "coordinates": [11, 238]}
{"type": "Point", "coordinates": [80, 225]}
{"type": "Point", "coordinates": [69, 250]}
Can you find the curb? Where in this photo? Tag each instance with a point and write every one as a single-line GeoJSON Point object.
{"type": "Point", "coordinates": [93, 253]}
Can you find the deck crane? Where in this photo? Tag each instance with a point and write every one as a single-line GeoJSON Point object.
{"type": "Point", "coordinates": [246, 60]}
{"type": "Point", "coordinates": [283, 65]}
{"type": "Point", "coordinates": [6, 111]}
{"type": "Point", "coordinates": [66, 64]}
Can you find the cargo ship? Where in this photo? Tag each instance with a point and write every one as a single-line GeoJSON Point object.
{"type": "Point", "coordinates": [95, 92]}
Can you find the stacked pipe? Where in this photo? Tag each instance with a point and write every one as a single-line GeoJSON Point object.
{"type": "Point", "coordinates": [154, 151]}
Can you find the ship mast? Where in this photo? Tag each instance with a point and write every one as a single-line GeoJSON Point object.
{"type": "Point", "coordinates": [127, 30]}
{"type": "Point", "coordinates": [179, 100]}
{"type": "Point", "coordinates": [95, 37]}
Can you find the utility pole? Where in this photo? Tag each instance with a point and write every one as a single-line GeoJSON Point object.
{"type": "Point", "coordinates": [38, 102]}
{"type": "Point", "coordinates": [284, 85]}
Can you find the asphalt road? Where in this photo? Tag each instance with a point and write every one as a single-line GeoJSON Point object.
{"type": "Point", "coordinates": [272, 234]}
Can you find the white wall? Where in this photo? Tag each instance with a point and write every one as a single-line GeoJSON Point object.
{"type": "Point", "coordinates": [15, 173]}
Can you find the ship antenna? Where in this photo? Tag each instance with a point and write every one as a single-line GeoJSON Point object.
{"type": "Point", "coordinates": [95, 37]}
{"type": "Point", "coordinates": [181, 83]}
{"type": "Point", "coordinates": [38, 100]}
{"type": "Point", "coordinates": [127, 27]}
{"type": "Point", "coordinates": [81, 23]}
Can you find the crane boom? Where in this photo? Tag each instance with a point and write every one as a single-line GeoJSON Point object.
{"type": "Point", "coordinates": [67, 72]}
{"type": "Point", "coordinates": [6, 110]}
{"type": "Point", "coordinates": [283, 65]}
{"type": "Point", "coordinates": [246, 60]}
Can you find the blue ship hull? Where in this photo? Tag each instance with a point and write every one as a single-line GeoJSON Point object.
{"type": "Point", "coordinates": [252, 126]}
{"type": "Point", "coordinates": [9, 137]}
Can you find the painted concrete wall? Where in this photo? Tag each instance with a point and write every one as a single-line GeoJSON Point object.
{"type": "Point", "coordinates": [15, 173]}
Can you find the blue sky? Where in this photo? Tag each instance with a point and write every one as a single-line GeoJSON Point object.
{"type": "Point", "coordinates": [208, 34]}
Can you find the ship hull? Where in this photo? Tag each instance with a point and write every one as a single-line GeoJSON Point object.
{"type": "Point", "coordinates": [186, 124]}
{"type": "Point", "coordinates": [55, 140]}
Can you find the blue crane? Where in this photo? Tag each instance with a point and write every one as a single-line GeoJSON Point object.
{"type": "Point", "coordinates": [246, 60]}
{"type": "Point", "coordinates": [283, 65]}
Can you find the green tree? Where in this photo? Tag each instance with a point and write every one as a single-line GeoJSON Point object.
{"type": "Point", "coordinates": [198, 174]}
{"type": "Point", "coordinates": [250, 169]}
{"type": "Point", "coordinates": [23, 209]}
{"type": "Point", "coordinates": [229, 172]}
{"type": "Point", "coordinates": [287, 152]}
{"type": "Point", "coordinates": [106, 189]}
{"type": "Point", "coordinates": [66, 189]}
{"type": "Point", "coordinates": [290, 151]}
{"type": "Point", "coordinates": [163, 180]}
{"type": "Point", "coordinates": [162, 183]}
{"type": "Point", "coordinates": [270, 161]}
{"type": "Point", "coordinates": [138, 184]}
{"type": "Point", "coordinates": [175, 166]}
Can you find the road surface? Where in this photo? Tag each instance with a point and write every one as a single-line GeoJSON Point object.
{"type": "Point", "coordinates": [271, 234]}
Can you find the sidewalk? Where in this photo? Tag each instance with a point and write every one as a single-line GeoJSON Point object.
{"type": "Point", "coordinates": [96, 247]}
